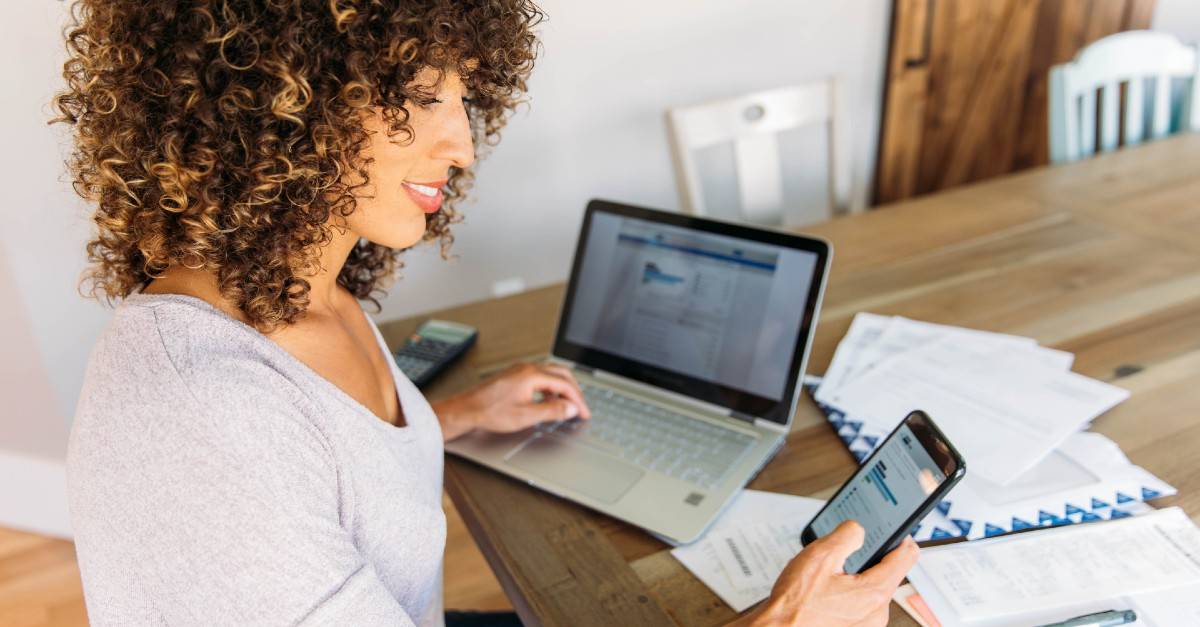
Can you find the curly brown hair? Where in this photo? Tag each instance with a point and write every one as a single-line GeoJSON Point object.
{"type": "Point", "coordinates": [217, 134]}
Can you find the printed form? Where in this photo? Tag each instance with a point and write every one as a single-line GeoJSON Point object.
{"type": "Point", "coordinates": [1066, 567]}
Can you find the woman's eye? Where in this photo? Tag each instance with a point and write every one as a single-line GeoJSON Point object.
{"type": "Point", "coordinates": [424, 101]}
{"type": "Point", "coordinates": [429, 102]}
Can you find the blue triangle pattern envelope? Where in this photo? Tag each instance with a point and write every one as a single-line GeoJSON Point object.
{"type": "Point", "coordinates": [1086, 479]}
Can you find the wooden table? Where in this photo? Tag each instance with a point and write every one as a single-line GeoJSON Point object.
{"type": "Point", "coordinates": [1100, 258]}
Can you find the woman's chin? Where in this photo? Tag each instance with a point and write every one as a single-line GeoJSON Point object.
{"type": "Point", "coordinates": [404, 235]}
{"type": "Point", "coordinates": [391, 222]}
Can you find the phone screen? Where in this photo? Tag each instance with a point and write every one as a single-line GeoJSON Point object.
{"type": "Point", "coordinates": [883, 495]}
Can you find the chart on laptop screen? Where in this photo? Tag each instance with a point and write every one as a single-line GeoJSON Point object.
{"type": "Point", "coordinates": [709, 306]}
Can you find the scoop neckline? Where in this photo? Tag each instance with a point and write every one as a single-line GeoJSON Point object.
{"type": "Point", "coordinates": [305, 369]}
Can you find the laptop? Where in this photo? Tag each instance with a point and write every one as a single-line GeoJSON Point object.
{"type": "Point", "coordinates": [689, 337]}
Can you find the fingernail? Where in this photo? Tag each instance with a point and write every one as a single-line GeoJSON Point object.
{"type": "Point", "coordinates": [572, 410]}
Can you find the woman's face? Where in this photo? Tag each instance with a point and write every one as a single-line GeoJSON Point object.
{"type": "Point", "coordinates": [406, 178]}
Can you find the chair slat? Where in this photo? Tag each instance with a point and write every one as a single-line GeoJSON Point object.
{"type": "Point", "coordinates": [760, 178]}
{"type": "Point", "coordinates": [1110, 116]}
{"type": "Point", "coordinates": [1162, 106]}
{"type": "Point", "coordinates": [1087, 123]}
{"type": "Point", "coordinates": [1135, 112]}
{"type": "Point", "coordinates": [1064, 116]}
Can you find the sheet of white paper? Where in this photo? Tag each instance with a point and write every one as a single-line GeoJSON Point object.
{"type": "Point", "coordinates": [749, 508]}
{"type": "Point", "coordinates": [851, 354]}
{"type": "Point", "coordinates": [872, 339]}
{"type": "Point", "coordinates": [1062, 567]}
{"type": "Point", "coordinates": [1164, 608]}
{"type": "Point", "coordinates": [1003, 415]}
{"type": "Point", "coordinates": [1172, 607]}
{"type": "Point", "coordinates": [902, 335]}
{"type": "Point", "coordinates": [1052, 357]}
{"type": "Point", "coordinates": [754, 555]}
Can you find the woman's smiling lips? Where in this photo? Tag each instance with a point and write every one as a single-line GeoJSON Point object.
{"type": "Point", "coordinates": [427, 195]}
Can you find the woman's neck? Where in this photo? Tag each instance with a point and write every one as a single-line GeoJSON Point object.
{"type": "Point", "coordinates": [323, 287]}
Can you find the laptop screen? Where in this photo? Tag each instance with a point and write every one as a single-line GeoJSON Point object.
{"type": "Point", "coordinates": [716, 311]}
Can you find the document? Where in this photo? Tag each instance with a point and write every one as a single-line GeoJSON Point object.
{"type": "Point", "coordinates": [1004, 413]}
{"type": "Point", "coordinates": [1167, 608]}
{"type": "Point", "coordinates": [1062, 568]}
{"type": "Point", "coordinates": [853, 354]}
{"type": "Point", "coordinates": [1174, 607]}
{"type": "Point", "coordinates": [872, 339]}
{"type": "Point", "coordinates": [754, 555]}
{"type": "Point", "coordinates": [746, 548]}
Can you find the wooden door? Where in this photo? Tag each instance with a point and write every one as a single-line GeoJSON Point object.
{"type": "Point", "coordinates": [966, 85]}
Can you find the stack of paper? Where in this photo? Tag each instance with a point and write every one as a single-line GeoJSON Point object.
{"type": "Point", "coordinates": [1013, 409]}
{"type": "Point", "coordinates": [1150, 564]}
{"type": "Point", "coordinates": [744, 551]}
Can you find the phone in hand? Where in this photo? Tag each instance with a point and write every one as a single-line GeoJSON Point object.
{"type": "Point", "coordinates": [893, 490]}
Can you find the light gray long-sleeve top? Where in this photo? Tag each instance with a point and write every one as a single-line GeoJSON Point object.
{"type": "Point", "coordinates": [217, 480]}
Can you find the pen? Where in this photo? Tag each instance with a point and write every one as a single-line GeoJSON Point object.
{"type": "Point", "coordinates": [1099, 619]}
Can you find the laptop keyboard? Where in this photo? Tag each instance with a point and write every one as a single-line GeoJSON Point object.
{"type": "Point", "coordinates": [656, 438]}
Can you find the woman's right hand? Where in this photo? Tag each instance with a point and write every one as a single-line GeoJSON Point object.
{"type": "Point", "coordinates": [814, 590]}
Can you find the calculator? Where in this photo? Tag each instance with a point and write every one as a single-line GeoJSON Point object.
{"type": "Point", "coordinates": [429, 351]}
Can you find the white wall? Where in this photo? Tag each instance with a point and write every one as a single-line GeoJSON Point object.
{"type": "Point", "coordinates": [44, 223]}
{"type": "Point", "coordinates": [47, 328]}
{"type": "Point", "coordinates": [595, 126]}
{"type": "Point", "coordinates": [1178, 17]}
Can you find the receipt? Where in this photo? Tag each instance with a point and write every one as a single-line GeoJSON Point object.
{"type": "Point", "coordinates": [712, 560]}
{"type": "Point", "coordinates": [753, 556]}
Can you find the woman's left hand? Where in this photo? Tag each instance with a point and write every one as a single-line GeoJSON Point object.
{"type": "Point", "coordinates": [520, 397]}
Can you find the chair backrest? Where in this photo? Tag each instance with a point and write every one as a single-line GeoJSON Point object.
{"type": "Point", "coordinates": [752, 122]}
{"type": "Point", "coordinates": [1130, 58]}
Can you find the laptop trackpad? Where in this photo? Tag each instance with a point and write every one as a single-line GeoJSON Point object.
{"type": "Point", "coordinates": [576, 467]}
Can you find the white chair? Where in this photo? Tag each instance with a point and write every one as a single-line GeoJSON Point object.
{"type": "Point", "coordinates": [752, 123]}
{"type": "Point", "coordinates": [1130, 58]}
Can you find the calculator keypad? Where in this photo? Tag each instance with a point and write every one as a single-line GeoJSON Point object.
{"type": "Point", "coordinates": [431, 349]}
{"type": "Point", "coordinates": [417, 357]}
{"type": "Point", "coordinates": [412, 367]}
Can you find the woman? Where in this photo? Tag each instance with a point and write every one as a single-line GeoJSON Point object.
{"type": "Point", "coordinates": [244, 450]}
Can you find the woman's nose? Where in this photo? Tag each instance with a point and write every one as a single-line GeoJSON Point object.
{"type": "Point", "coordinates": [456, 144]}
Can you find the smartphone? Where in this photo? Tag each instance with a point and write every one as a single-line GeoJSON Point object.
{"type": "Point", "coordinates": [893, 490]}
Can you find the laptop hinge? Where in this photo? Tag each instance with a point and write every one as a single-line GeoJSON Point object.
{"type": "Point", "coordinates": [740, 416]}
{"type": "Point", "coordinates": [770, 425]}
